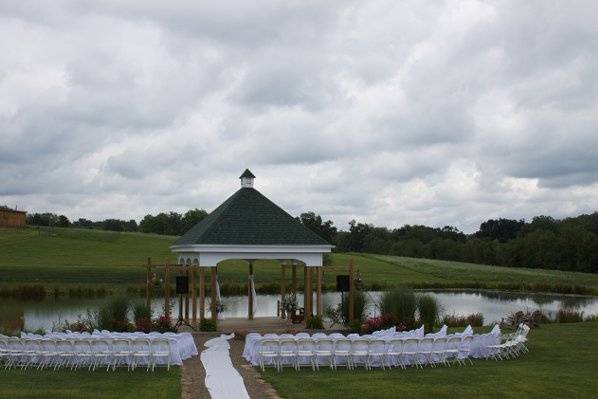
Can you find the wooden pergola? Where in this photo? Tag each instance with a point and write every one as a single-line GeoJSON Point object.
{"type": "Point", "coordinates": [197, 281]}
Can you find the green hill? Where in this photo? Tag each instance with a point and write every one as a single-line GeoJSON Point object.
{"type": "Point", "coordinates": [95, 257]}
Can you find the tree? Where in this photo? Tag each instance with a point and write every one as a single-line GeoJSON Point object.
{"type": "Point", "coordinates": [63, 221]}
{"type": "Point", "coordinates": [314, 222]}
{"type": "Point", "coordinates": [191, 218]}
{"type": "Point", "coordinates": [502, 230]}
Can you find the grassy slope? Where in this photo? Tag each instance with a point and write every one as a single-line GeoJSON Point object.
{"type": "Point", "coordinates": [547, 372]}
{"type": "Point", "coordinates": [80, 257]}
{"type": "Point", "coordinates": [21, 384]}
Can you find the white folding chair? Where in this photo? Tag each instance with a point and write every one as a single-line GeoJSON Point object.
{"type": "Point", "coordinates": [101, 351]}
{"type": "Point", "coordinates": [425, 351]}
{"type": "Point", "coordinates": [359, 352]}
{"type": "Point", "coordinates": [323, 348]}
{"type": "Point", "coordinates": [465, 349]}
{"type": "Point", "coordinates": [342, 350]}
{"type": "Point", "coordinates": [305, 352]}
{"type": "Point", "coordinates": [161, 349]}
{"type": "Point", "coordinates": [438, 354]}
{"type": "Point", "coordinates": [394, 352]}
{"type": "Point", "coordinates": [410, 352]}
{"type": "Point", "coordinates": [65, 353]}
{"type": "Point", "coordinates": [121, 352]}
{"type": "Point", "coordinates": [376, 351]}
{"type": "Point", "coordinates": [141, 352]}
{"type": "Point", "coordinates": [16, 352]}
{"type": "Point", "coordinates": [268, 349]}
{"type": "Point", "coordinates": [288, 352]}
{"type": "Point", "coordinates": [451, 349]}
{"type": "Point", "coordinates": [84, 353]}
{"type": "Point", "coordinates": [48, 354]}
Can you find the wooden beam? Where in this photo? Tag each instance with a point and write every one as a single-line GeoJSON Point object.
{"type": "Point", "coordinates": [187, 295]}
{"type": "Point", "coordinates": [351, 292]}
{"type": "Point", "coordinates": [193, 297]}
{"type": "Point", "coordinates": [282, 287]}
{"type": "Point", "coordinates": [166, 292]}
{"type": "Point", "coordinates": [213, 293]}
{"type": "Point", "coordinates": [294, 277]}
{"type": "Point", "coordinates": [308, 293]}
{"type": "Point", "coordinates": [148, 283]}
{"type": "Point", "coordinates": [319, 292]}
{"type": "Point", "coordinates": [202, 294]}
{"type": "Point", "coordinates": [250, 293]}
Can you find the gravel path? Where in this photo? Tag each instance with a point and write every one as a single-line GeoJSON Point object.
{"type": "Point", "coordinates": [194, 375]}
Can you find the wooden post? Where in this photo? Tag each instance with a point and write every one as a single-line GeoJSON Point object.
{"type": "Point", "coordinates": [351, 292]}
{"type": "Point", "coordinates": [213, 293]}
{"type": "Point", "coordinates": [250, 293]}
{"type": "Point", "coordinates": [148, 283]}
{"type": "Point", "coordinates": [187, 295]}
{"type": "Point", "coordinates": [202, 294]}
{"type": "Point", "coordinates": [319, 292]}
{"type": "Point", "coordinates": [166, 292]}
{"type": "Point", "coordinates": [294, 277]}
{"type": "Point", "coordinates": [193, 298]}
{"type": "Point", "coordinates": [308, 293]}
{"type": "Point", "coordinates": [282, 288]}
{"type": "Point", "coordinates": [305, 290]}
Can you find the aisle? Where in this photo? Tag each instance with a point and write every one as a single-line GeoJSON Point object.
{"type": "Point", "coordinates": [222, 379]}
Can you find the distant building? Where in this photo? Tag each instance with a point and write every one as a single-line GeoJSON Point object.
{"type": "Point", "coordinates": [12, 218]}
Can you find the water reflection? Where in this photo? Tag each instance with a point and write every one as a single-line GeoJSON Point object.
{"type": "Point", "coordinates": [493, 305]}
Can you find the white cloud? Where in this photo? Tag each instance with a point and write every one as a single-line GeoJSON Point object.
{"type": "Point", "coordinates": [438, 113]}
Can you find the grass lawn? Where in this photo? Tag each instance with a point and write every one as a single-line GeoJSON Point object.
{"type": "Point", "coordinates": [563, 362]}
{"type": "Point", "coordinates": [66, 384]}
{"type": "Point", "coordinates": [81, 257]}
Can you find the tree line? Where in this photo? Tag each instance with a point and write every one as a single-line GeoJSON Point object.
{"type": "Point", "coordinates": [544, 242]}
{"type": "Point", "coordinates": [171, 223]}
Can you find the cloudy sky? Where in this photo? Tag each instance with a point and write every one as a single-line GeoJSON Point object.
{"type": "Point", "coordinates": [386, 112]}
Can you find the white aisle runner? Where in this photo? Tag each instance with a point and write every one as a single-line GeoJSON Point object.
{"type": "Point", "coordinates": [222, 379]}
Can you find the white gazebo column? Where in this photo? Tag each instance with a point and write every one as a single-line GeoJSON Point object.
{"type": "Point", "coordinates": [308, 293]}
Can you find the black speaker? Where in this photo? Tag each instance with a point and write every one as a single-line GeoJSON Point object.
{"type": "Point", "coordinates": [342, 283]}
{"type": "Point", "coordinates": [182, 284]}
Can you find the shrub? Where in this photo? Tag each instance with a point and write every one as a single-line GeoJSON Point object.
{"type": "Point", "coordinates": [113, 315]}
{"type": "Point", "coordinates": [568, 316]}
{"type": "Point", "coordinates": [142, 315]}
{"type": "Point", "coordinates": [428, 309]}
{"type": "Point", "coordinates": [474, 319]}
{"type": "Point", "coordinates": [530, 318]}
{"type": "Point", "coordinates": [208, 325]}
{"type": "Point", "coordinates": [401, 304]}
{"type": "Point", "coordinates": [314, 323]}
{"type": "Point", "coordinates": [163, 324]}
{"type": "Point", "coordinates": [359, 307]}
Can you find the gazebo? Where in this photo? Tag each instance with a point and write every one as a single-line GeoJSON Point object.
{"type": "Point", "coordinates": [248, 226]}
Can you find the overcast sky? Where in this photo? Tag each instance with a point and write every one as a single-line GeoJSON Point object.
{"type": "Point", "coordinates": [386, 112]}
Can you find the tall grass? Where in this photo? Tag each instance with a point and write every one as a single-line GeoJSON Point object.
{"type": "Point", "coordinates": [401, 304]}
{"type": "Point", "coordinates": [428, 309]}
{"type": "Point", "coordinates": [474, 320]}
{"type": "Point", "coordinates": [568, 316]}
{"type": "Point", "coordinates": [114, 315]}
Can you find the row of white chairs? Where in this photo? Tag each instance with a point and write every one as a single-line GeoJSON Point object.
{"type": "Point", "coordinates": [368, 352]}
{"type": "Point", "coordinates": [513, 346]}
{"type": "Point", "coordinates": [84, 352]}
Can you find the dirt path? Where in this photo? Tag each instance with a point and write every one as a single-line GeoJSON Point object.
{"type": "Point", "coordinates": [255, 385]}
{"type": "Point", "coordinates": [194, 375]}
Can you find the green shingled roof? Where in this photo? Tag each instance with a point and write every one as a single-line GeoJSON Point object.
{"type": "Point", "coordinates": [249, 218]}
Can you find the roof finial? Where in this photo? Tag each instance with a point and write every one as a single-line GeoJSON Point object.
{"type": "Point", "coordinates": [247, 178]}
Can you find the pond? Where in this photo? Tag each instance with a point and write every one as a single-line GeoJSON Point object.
{"type": "Point", "coordinates": [493, 305]}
